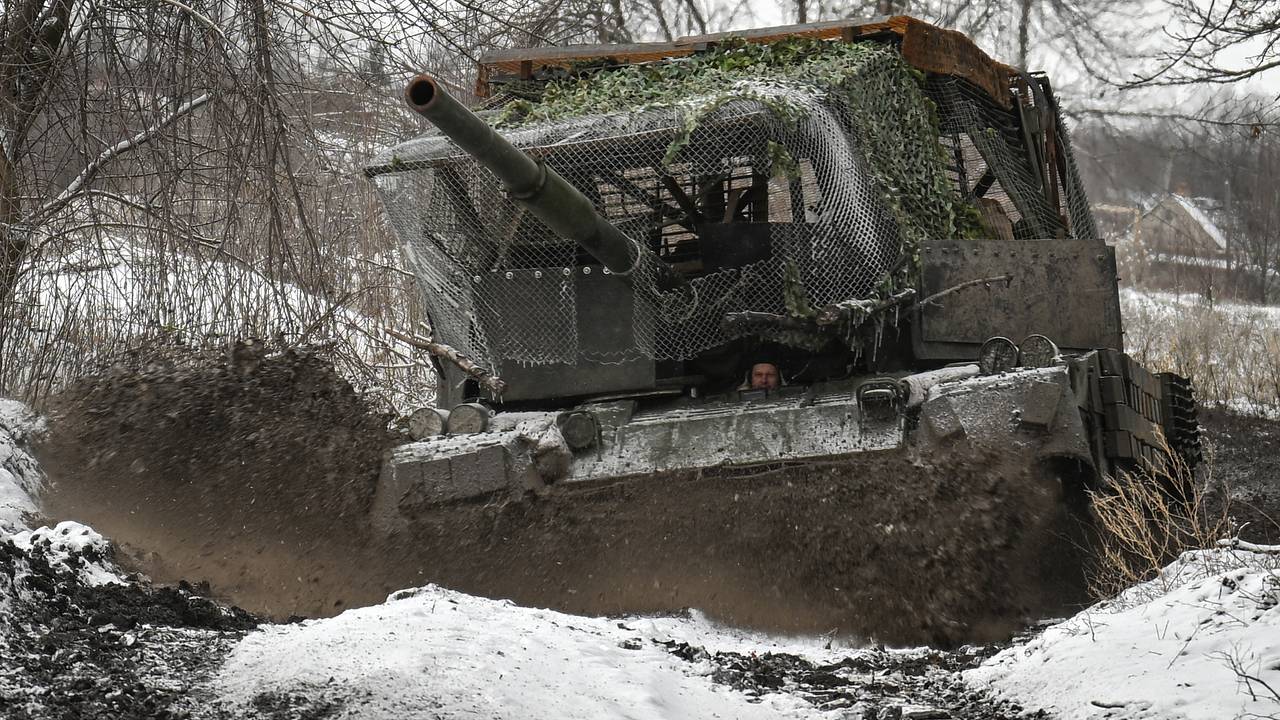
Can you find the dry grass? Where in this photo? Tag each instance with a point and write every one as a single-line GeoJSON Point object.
{"type": "Point", "coordinates": [1143, 524]}
{"type": "Point", "coordinates": [1230, 351]}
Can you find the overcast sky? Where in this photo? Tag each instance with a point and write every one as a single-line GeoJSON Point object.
{"type": "Point", "coordinates": [1150, 19]}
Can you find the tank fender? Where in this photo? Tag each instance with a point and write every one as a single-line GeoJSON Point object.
{"type": "Point", "coordinates": [1033, 411]}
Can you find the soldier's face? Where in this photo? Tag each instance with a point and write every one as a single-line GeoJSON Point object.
{"type": "Point", "coordinates": [764, 376]}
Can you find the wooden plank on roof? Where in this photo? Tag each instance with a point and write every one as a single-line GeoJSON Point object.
{"type": "Point", "coordinates": [829, 29]}
{"type": "Point", "coordinates": [507, 61]}
{"type": "Point", "coordinates": [524, 63]}
{"type": "Point", "coordinates": [512, 57]}
{"type": "Point", "coordinates": [947, 52]}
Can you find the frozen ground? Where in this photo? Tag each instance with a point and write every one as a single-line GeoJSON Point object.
{"type": "Point", "coordinates": [1201, 642]}
{"type": "Point", "coordinates": [431, 652]}
{"type": "Point", "coordinates": [19, 476]}
{"type": "Point", "coordinates": [435, 653]}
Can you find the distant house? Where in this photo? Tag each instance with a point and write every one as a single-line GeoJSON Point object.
{"type": "Point", "coordinates": [1115, 222]}
{"type": "Point", "coordinates": [1180, 243]}
{"type": "Point", "coordinates": [1180, 225]}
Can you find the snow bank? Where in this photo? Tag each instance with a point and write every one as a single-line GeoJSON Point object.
{"type": "Point", "coordinates": [104, 293]}
{"type": "Point", "coordinates": [1172, 303]}
{"type": "Point", "coordinates": [1164, 649]}
{"type": "Point", "coordinates": [435, 653]}
{"type": "Point", "coordinates": [20, 477]}
{"type": "Point", "coordinates": [67, 548]}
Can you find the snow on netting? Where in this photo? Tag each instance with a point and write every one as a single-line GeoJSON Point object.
{"type": "Point", "coordinates": [824, 157]}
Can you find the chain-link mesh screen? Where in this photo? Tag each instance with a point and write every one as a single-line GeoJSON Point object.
{"type": "Point", "coordinates": [831, 179]}
{"type": "Point", "coordinates": [1075, 204]}
{"type": "Point", "coordinates": [990, 163]}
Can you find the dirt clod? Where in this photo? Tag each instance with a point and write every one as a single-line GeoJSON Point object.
{"type": "Point", "coordinates": [245, 471]}
{"type": "Point", "coordinates": [73, 650]}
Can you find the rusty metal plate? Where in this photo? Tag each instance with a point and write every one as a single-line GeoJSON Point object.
{"type": "Point", "coordinates": [937, 50]}
{"type": "Point", "coordinates": [1063, 289]}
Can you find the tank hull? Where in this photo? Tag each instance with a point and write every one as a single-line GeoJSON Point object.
{"type": "Point", "coordinates": [946, 519]}
{"type": "Point", "coordinates": [1031, 414]}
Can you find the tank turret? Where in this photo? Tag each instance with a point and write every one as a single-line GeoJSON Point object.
{"type": "Point", "coordinates": [653, 231]}
{"type": "Point", "coordinates": [546, 194]}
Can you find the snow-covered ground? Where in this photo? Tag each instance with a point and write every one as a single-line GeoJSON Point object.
{"type": "Point", "coordinates": [1133, 300]}
{"type": "Point", "coordinates": [1201, 642]}
{"type": "Point", "coordinates": [105, 293]}
{"type": "Point", "coordinates": [431, 652]}
{"type": "Point", "coordinates": [20, 478]}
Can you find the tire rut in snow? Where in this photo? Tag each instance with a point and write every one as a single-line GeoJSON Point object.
{"type": "Point", "coordinates": [870, 685]}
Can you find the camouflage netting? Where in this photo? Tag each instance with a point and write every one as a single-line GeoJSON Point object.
{"type": "Point", "coordinates": [837, 144]}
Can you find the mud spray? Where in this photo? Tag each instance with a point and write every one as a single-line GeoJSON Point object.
{"type": "Point", "coordinates": [255, 474]}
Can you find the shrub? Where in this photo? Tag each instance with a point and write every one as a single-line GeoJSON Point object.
{"type": "Point", "coordinates": [1145, 519]}
{"type": "Point", "coordinates": [1230, 351]}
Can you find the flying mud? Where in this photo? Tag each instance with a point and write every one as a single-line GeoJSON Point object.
{"type": "Point", "coordinates": [255, 474]}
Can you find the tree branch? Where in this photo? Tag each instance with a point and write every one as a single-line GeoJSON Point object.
{"type": "Point", "coordinates": [956, 288]}
{"type": "Point", "coordinates": [1238, 544]}
{"type": "Point", "coordinates": [86, 176]}
{"type": "Point", "coordinates": [494, 384]}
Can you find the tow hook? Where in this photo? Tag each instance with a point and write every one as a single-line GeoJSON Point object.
{"type": "Point", "coordinates": [881, 400]}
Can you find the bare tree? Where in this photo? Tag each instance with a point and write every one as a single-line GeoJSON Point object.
{"type": "Point", "coordinates": [1222, 151]}
{"type": "Point", "coordinates": [173, 173]}
{"type": "Point", "coordinates": [647, 20]}
{"type": "Point", "coordinates": [1217, 42]}
{"type": "Point", "coordinates": [1254, 207]}
{"type": "Point", "coordinates": [1093, 32]}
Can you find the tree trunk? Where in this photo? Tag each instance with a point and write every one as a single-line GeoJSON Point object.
{"type": "Point", "coordinates": [13, 244]}
{"type": "Point", "coordinates": [661, 16]}
{"type": "Point", "coordinates": [1024, 33]}
{"type": "Point", "coordinates": [695, 15]}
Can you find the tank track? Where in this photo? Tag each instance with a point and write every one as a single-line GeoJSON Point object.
{"type": "Point", "coordinates": [1181, 426]}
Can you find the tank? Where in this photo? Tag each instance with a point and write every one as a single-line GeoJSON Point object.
{"type": "Point", "coordinates": [798, 272]}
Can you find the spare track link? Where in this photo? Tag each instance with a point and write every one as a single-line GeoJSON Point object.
{"type": "Point", "coordinates": [1133, 407]}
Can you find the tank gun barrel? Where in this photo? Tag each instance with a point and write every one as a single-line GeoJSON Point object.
{"type": "Point", "coordinates": [550, 197]}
